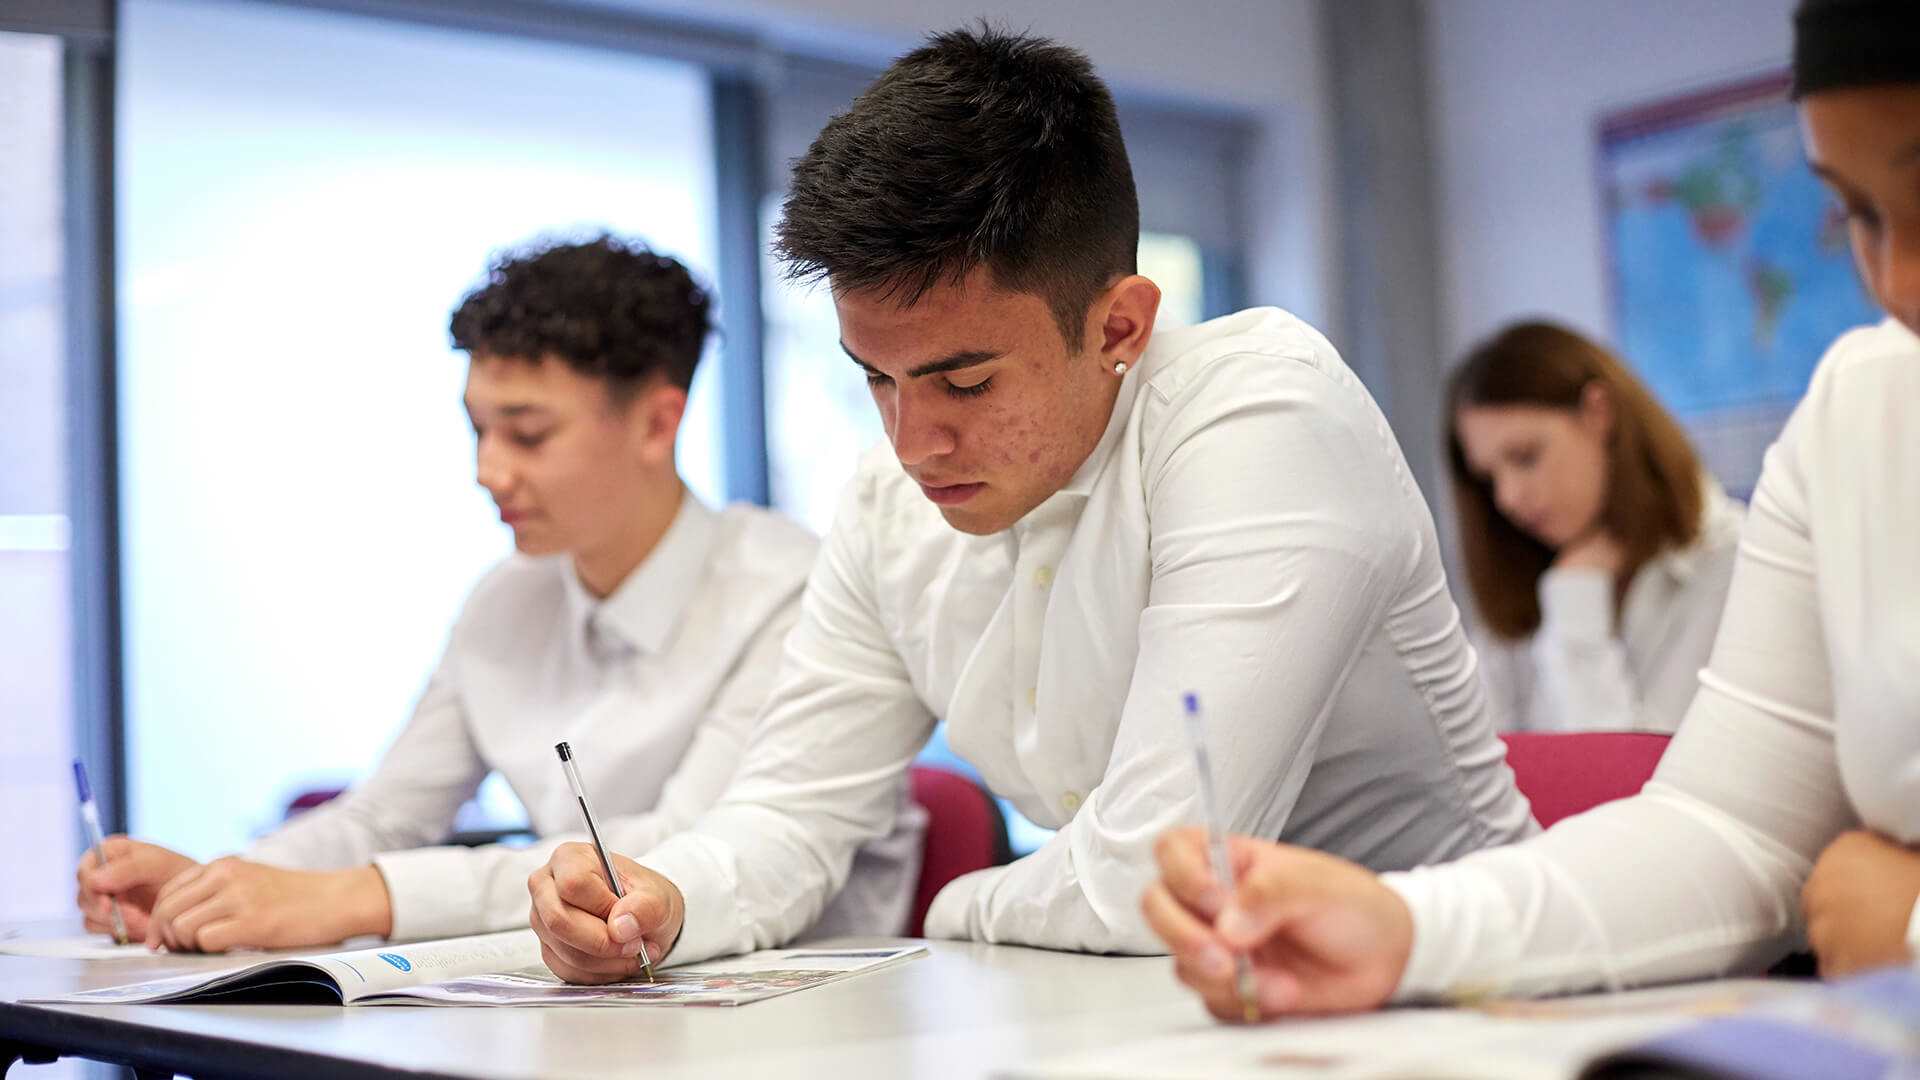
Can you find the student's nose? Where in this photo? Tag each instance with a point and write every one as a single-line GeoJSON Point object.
{"type": "Point", "coordinates": [919, 432]}
{"type": "Point", "coordinates": [491, 468]}
{"type": "Point", "coordinates": [1509, 497]}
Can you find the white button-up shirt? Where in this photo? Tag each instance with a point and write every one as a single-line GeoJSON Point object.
{"type": "Point", "coordinates": [1807, 723]}
{"type": "Point", "coordinates": [1246, 529]}
{"type": "Point", "coordinates": [657, 687]}
{"type": "Point", "coordinates": [1585, 671]}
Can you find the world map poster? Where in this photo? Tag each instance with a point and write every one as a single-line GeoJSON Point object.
{"type": "Point", "coordinates": [1730, 273]}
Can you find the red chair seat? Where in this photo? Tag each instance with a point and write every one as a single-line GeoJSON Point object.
{"type": "Point", "coordinates": [1563, 773]}
{"type": "Point", "coordinates": [965, 832]}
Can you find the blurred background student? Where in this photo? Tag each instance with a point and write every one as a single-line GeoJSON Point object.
{"type": "Point", "coordinates": [1597, 548]}
{"type": "Point", "coordinates": [634, 620]}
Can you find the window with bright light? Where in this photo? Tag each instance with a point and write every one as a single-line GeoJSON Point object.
{"type": "Point", "coordinates": [303, 198]}
{"type": "Point", "coordinates": [36, 678]}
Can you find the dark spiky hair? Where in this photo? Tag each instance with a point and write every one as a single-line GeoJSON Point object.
{"type": "Point", "coordinates": [980, 148]}
{"type": "Point", "coordinates": [606, 307]}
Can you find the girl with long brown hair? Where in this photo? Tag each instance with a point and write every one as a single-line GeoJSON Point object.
{"type": "Point", "coordinates": [1597, 549]}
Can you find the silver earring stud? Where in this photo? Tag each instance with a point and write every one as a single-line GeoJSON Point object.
{"type": "Point", "coordinates": [1120, 367]}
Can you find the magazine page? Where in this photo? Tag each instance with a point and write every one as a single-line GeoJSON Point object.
{"type": "Point", "coordinates": [1864, 1027]}
{"type": "Point", "coordinates": [732, 981]}
{"type": "Point", "coordinates": [329, 978]}
{"type": "Point", "coordinates": [1549, 1039]}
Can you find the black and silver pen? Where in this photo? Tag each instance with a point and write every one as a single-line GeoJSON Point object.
{"type": "Point", "coordinates": [580, 793]}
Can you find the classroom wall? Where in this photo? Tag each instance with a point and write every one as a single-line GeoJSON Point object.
{"type": "Point", "coordinates": [1517, 89]}
{"type": "Point", "coordinates": [1261, 57]}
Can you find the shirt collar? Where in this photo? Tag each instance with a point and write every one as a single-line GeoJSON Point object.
{"type": "Point", "coordinates": [643, 610]}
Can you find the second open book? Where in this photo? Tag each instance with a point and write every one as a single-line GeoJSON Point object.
{"type": "Point", "coordinates": [493, 969]}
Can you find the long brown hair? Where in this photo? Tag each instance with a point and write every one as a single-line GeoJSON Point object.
{"type": "Point", "coordinates": [1653, 496]}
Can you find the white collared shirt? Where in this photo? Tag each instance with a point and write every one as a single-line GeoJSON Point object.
{"type": "Point", "coordinates": [1806, 724]}
{"type": "Point", "coordinates": [1581, 672]}
{"type": "Point", "coordinates": [1246, 529]}
{"type": "Point", "coordinates": [657, 688]}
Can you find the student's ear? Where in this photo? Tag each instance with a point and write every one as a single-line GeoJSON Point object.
{"type": "Point", "coordinates": [1596, 410]}
{"type": "Point", "coordinates": [1120, 321]}
{"type": "Point", "coordinates": [653, 418]}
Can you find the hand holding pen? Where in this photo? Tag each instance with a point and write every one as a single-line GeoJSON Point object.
{"type": "Point", "coordinates": [90, 815]}
{"type": "Point", "coordinates": [1217, 849]}
{"type": "Point", "coordinates": [1262, 929]}
{"type": "Point", "coordinates": [586, 814]}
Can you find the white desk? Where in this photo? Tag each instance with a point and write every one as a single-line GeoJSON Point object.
{"type": "Point", "coordinates": [966, 1010]}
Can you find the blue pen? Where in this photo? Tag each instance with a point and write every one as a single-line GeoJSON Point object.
{"type": "Point", "coordinates": [90, 814]}
{"type": "Point", "coordinates": [1217, 849]}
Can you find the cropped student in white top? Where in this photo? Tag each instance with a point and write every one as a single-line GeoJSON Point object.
{"type": "Point", "coordinates": [1597, 549]}
{"type": "Point", "coordinates": [1789, 803]}
{"type": "Point", "coordinates": [1078, 519]}
{"type": "Point", "coordinates": [634, 621]}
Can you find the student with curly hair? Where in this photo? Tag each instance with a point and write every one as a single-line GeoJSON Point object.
{"type": "Point", "coordinates": [634, 620]}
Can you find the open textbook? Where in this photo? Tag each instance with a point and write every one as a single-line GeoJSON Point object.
{"type": "Point", "coordinates": [1752, 1029]}
{"type": "Point", "coordinates": [492, 969]}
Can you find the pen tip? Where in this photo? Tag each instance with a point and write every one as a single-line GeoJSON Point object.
{"type": "Point", "coordinates": [1191, 701]}
{"type": "Point", "coordinates": [563, 750]}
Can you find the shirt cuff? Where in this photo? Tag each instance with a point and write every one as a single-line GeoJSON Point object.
{"type": "Point", "coordinates": [1577, 605]}
{"type": "Point", "coordinates": [714, 924]}
{"type": "Point", "coordinates": [1449, 960]}
{"type": "Point", "coordinates": [433, 892]}
{"type": "Point", "coordinates": [950, 916]}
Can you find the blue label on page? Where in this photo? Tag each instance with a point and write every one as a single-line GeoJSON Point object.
{"type": "Point", "coordinates": [396, 960]}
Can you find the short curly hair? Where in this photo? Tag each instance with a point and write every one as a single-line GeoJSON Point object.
{"type": "Point", "coordinates": [606, 307]}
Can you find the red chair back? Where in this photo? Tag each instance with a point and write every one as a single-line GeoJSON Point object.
{"type": "Point", "coordinates": [1563, 773]}
{"type": "Point", "coordinates": [965, 832]}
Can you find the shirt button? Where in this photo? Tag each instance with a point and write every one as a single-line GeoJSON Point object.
{"type": "Point", "coordinates": [1043, 577]}
{"type": "Point", "coordinates": [1070, 801]}
{"type": "Point", "coordinates": [1033, 699]}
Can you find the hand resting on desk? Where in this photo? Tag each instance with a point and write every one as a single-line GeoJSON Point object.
{"type": "Point", "coordinates": [1857, 903]}
{"type": "Point", "coordinates": [588, 935]}
{"type": "Point", "coordinates": [169, 899]}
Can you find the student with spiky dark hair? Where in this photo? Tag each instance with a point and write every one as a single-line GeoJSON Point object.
{"type": "Point", "coordinates": [634, 621]}
{"type": "Point", "coordinates": [1078, 521]}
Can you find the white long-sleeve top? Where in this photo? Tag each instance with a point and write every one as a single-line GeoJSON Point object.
{"type": "Point", "coordinates": [657, 687]}
{"type": "Point", "coordinates": [1246, 529]}
{"type": "Point", "coordinates": [1581, 672]}
{"type": "Point", "coordinates": [1807, 723]}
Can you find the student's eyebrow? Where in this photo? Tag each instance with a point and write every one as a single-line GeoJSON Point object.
{"type": "Point", "coordinates": [519, 409]}
{"type": "Point", "coordinates": [966, 358]}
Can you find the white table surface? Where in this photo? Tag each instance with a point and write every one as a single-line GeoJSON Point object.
{"type": "Point", "coordinates": [965, 1010]}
